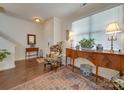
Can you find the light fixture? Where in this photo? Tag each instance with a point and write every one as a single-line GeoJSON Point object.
{"type": "Point", "coordinates": [83, 4]}
{"type": "Point", "coordinates": [1, 9]}
{"type": "Point", "coordinates": [37, 20]}
{"type": "Point", "coordinates": [112, 29]}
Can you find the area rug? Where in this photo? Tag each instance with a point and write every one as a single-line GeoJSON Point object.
{"type": "Point", "coordinates": [40, 60]}
{"type": "Point", "coordinates": [63, 79]}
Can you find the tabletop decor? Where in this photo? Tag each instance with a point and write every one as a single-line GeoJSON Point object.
{"type": "Point", "coordinates": [99, 47]}
{"type": "Point", "coordinates": [112, 29]}
{"type": "Point", "coordinates": [87, 43]}
{"type": "Point", "coordinates": [31, 40]}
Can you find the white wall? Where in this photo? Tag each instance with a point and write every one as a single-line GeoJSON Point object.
{"type": "Point", "coordinates": [51, 33]}
{"type": "Point", "coordinates": [57, 30]}
{"type": "Point", "coordinates": [67, 24]}
{"type": "Point", "coordinates": [8, 62]}
{"type": "Point", "coordinates": [48, 35]}
{"type": "Point", "coordinates": [16, 31]}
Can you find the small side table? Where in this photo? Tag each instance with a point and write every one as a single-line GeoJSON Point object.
{"type": "Point", "coordinates": [29, 51]}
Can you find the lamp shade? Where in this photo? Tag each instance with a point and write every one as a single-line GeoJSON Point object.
{"type": "Point", "coordinates": [113, 28]}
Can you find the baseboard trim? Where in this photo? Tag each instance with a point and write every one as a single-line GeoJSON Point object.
{"type": "Point", "coordinates": [74, 66]}
{"type": "Point", "coordinates": [7, 68]}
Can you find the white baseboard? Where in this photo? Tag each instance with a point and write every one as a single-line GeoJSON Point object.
{"type": "Point", "coordinates": [7, 68]}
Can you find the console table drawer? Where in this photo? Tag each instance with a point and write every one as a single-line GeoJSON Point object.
{"type": "Point", "coordinates": [29, 51]}
{"type": "Point", "coordinates": [32, 49]}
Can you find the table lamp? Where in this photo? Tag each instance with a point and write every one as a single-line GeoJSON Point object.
{"type": "Point", "coordinates": [112, 29]}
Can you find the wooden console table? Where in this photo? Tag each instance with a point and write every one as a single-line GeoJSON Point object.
{"type": "Point", "coordinates": [29, 51]}
{"type": "Point", "coordinates": [98, 58]}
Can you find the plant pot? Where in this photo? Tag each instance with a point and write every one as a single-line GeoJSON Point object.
{"type": "Point", "coordinates": [86, 48]}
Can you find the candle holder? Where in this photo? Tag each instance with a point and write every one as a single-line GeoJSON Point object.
{"type": "Point", "coordinates": [112, 38]}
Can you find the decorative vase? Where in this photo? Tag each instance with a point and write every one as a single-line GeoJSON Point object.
{"type": "Point", "coordinates": [77, 47]}
{"type": "Point", "coordinates": [99, 47]}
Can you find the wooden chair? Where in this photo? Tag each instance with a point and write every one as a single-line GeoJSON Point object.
{"type": "Point", "coordinates": [54, 58]}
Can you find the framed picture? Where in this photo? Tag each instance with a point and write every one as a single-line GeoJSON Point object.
{"type": "Point", "coordinates": [31, 39]}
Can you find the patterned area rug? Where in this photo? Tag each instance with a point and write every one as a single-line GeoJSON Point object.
{"type": "Point", "coordinates": [63, 79]}
{"type": "Point", "coordinates": [40, 60]}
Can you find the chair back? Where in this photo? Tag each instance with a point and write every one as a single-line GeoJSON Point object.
{"type": "Point", "coordinates": [56, 48]}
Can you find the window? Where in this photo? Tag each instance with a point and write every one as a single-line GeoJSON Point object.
{"type": "Point", "coordinates": [81, 29]}
{"type": "Point", "coordinates": [94, 27]}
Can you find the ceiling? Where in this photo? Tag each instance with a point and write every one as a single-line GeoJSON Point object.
{"type": "Point", "coordinates": [46, 10]}
{"type": "Point", "coordinates": [42, 10]}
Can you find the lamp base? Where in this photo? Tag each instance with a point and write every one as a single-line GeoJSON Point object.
{"type": "Point", "coordinates": [112, 39]}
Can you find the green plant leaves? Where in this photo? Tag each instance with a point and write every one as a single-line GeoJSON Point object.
{"type": "Point", "coordinates": [87, 43]}
{"type": "Point", "coordinates": [3, 54]}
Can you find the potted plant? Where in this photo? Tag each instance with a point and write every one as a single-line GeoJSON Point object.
{"type": "Point", "coordinates": [87, 43]}
{"type": "Point", "coordinates": [3, 54]}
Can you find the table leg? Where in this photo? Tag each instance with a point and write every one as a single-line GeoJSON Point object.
{"type": "Point", "coordinates": [96, 74]}
{"type": "Point", "coordinates": [25, 55]}
{"type": "Point", "coordinates": [28, 55]}
{"type": "Point", "coordinates": [70, 60]}
{"type": "Point", "coordinates": [37, 54]}
{"type": "Point", "coordinates": [73, 64]}
{"type": "Point", "coordinates": [66, 61]}
{"type": "Point", "coordinates": [60, 63]}
{"type": "Point", "coordinates": [45, 66]}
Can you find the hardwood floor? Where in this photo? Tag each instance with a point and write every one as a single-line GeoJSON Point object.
{"type": "Point", "coordinates": [24, 71]}
{"type": "Point", "coordinates": [30, 69]}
